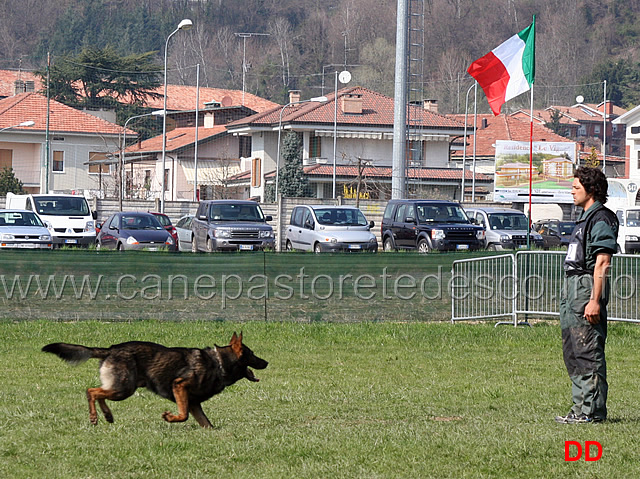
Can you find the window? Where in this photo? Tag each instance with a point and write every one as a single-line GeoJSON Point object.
{"type": "Point", "coordinates": [415, 153]}
{"type": "Point", "coordinates": [256, 172]}
{"type": "Point", "coordinates": [58, 161]}
{"type": "Point", "coordinates": [315, 147]}
{"type": "Point", "coordinates": [99, 166]}
{"type": "Point", "coordinates": [147, 179]}
{"type": "Point", "coordinates": [244, 145]}
{"type": "Point", "coordinates": [6, 159]}
{"type": "Point", "coordinates": [639, 160]}
{"type": "Point", "coordinates": [635, 130]}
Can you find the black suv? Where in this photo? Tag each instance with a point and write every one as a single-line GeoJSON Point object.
{"type": "Point", "coordinates": [230, 225]}
{"type": "Point", "coordinates": [427, 225]}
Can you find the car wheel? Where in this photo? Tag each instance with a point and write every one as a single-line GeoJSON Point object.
{"type": "Point", "coordinates": [209, 245]}
{"type": "Point", "coordinates": [388, 245]}
{"type": "Point", "coordinates": [317, 249]}
{"type": "Point", "coordinates": [194, 245]}
{"type": "Point", "coordinates": [288, 246]}
{"type": "Point", "coordinates": [492, 247]}
{"type": "Point", "coordinates": [423, 246]}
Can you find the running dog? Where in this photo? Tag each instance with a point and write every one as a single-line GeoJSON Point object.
{"type": "Point", "coordinates": [186, 376]}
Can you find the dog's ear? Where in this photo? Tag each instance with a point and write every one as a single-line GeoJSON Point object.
{"type": "Point", "coordinates": [236, 344]}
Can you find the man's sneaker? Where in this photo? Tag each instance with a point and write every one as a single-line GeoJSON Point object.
{"type": "Point", "coordinates": [571, 418]}
{"type": "Point", "coordinates": [568, 419]}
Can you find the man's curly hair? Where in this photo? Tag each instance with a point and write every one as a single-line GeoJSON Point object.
{"type": "Point", "coordinates": [594, 182]}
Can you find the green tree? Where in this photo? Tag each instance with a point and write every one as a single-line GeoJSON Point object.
{"type": "Point", "coordinates": [9, 183]}
{"type": "Point", "coordinates": [555, 125]}
{"type": "Point", "coordinates": [99, 77]}
{"type": "Point", "coordinates": [292, 182]}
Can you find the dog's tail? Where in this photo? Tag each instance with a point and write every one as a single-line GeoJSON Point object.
{"type": "Point", "coordinates": [75, 353]}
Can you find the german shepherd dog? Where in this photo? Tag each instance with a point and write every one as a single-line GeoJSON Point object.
{"type": "Point", "coordinates": [186, 376]}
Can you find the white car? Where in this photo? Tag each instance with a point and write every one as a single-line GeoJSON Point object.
{"type": "Point", "coordinates": [329, 228]}
{"type": "Point", "coordinates": [23, 229]}
{"type": "Point", "coordinates": [183, 229]}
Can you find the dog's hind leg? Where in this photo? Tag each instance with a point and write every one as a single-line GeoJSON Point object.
{"type": "Point", "coordinates": [198, 414]}
{"type": "Point", "coordinates": [105, 410]}
{"type": "Point", "coordinates": [181, 396]}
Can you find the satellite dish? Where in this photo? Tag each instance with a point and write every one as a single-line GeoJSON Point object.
{"type": "Point", "coordinates": [344, 77]}
{"type": "Point", "coordinates": [579, 98]}
{"type": "Point", "coordinates": [227, 101]}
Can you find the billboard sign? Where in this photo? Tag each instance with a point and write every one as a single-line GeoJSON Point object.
{"type": "Point", "coordinates": [551, 172]}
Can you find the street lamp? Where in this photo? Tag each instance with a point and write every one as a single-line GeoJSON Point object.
{"type": "Point", "coordinates": [319, 99]}
{"type": "Point", "coordinates": [24, 123]}
{"type": "Point", "coordinates": [124, 147]}
{"type": "Point", "coordinates": [185, 24]}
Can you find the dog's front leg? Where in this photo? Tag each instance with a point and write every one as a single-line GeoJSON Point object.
{"type": "Point", "coordinates": [181, 396]}
{"type": "Point", "coordinates": [198, 414]}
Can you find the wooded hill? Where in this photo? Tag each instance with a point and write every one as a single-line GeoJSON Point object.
{"type": "Point", "coordinates": [579, 43]}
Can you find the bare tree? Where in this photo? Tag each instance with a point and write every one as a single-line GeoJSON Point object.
{"type": "Point", "coordinates": [281, 30]}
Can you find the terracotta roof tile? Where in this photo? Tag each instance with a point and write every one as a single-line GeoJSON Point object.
{"type": "Point", "coordinates": [377, 110]}
{"type": "Point", "coordinates": [503, 127]}
{"type": "Point", "coordinates": [176, 139]}
{"type": "Point", "coordinates": [182, 97]}
{"type": "Point", "coordinates": [63, 119]}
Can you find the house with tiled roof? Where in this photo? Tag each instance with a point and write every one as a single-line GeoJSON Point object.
{"type": "Point", "coordinates": [584, 124]}
{"type": "Point", "coordinates": [79, 144]}
{"type": "Point", "coordinates": [13, 82]}
{"type": "Point", "coordinates": [354, 133]}
{"type": "Point", "coordinates": [630, 122]}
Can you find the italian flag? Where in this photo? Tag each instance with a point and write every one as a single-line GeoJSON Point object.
{"type": "Point", "coordinates": [508, 70]}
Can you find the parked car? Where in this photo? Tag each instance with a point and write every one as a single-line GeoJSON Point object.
{"type": "Point", "coordinates": [183, 231]}
{"type": "Point", "coordinates": [68, 218]}
{"type": "Point", "coordinates": [329, 228]}
{"type": "Point", "coordinates": [426, 225]}
{"type": "Point", "coordinates": [23, 229]}
{"type": "Point", "coordinates": [629, 232]}
{"type": "Point", "coordinates": [165, 221]}
{"type": "Point", "coordinates": [505, 229]}
{"type": "Point", "coordinates": [231, 225]}
{"type": "Point", "coordinates": [134, 231]}
{"type": "Point", "coordinates": [555, 233]}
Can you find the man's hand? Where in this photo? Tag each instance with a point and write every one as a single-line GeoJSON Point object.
{"type": "Point", "coordinates": [592, 312]}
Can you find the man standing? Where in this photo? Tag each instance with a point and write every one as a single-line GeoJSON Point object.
{"type": "Point", "coordinates": [584, 298]}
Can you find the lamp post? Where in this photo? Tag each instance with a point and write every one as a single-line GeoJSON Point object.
{"type": "Point", "coordinates": [124, 147]}
{"type": "Point", "coordinates": [23, 124]}
{"type": "Point", "coordinates": [319, 99]}
{"type": "Point", "coordinates": [185, 24]}
{"type": "Point", "coordinates": [244, 37]}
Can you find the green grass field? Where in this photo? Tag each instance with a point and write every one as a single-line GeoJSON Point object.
{"type": "Point", "coordinates": [349, 400]}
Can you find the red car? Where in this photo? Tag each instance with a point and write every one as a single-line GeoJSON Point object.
{"type": "Point", "coordinates": [166, 223]}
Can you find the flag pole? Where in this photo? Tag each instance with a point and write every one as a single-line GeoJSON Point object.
{"type": "Point", "coordinates": [530, 168]}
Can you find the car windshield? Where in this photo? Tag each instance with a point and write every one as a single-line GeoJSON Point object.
{"type": "Point", "coordinates": [62, 206]}
{"type": "Point", "coordinates": [441, 214]}
{"type": "Point", "coordinates": [340, 217]}
{"type": "Point", "coordinates": [633, 218]}
{"type": "Point", "coordinates": [139, 222]}
{"type": "Point", "coordinates": [19, 218]}
{"type": "Point", "coordinates": [163, 219]}
{"type": "Point", "coordinates": [566, 228]}
{"type": "Point", "coordinates": [232, 212]}
{"type": "Point", "coordinates": [508, 221]}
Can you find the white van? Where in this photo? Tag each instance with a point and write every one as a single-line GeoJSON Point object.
{"type": "Point", "coordinates": [629, 232]}
{"type": "Point", "coordinates": [67, 217]}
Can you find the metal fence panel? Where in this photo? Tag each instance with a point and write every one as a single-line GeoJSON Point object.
{"type": "Point", "coordinates": [528, 284]}
{"type": "Point", "coordinates": [483, 288]}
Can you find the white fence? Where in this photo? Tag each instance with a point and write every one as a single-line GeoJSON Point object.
{"type": "Point", "coordinates": [527, 285]}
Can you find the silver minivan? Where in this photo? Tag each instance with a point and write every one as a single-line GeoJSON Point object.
{"type": "Point", "coordinates": [505, 228]}
{"type": "Point", "coordinates": [329, 228]}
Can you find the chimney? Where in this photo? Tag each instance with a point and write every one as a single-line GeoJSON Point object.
{"type": "Point", "coordinates": [352, 103]}
{"type": "Point", "coordinates": [294, 96]}
{"type": "Point", "coordinates": [431, 105]}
